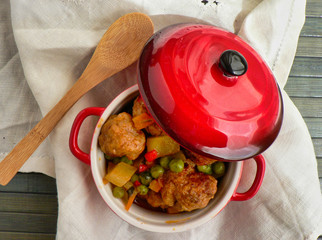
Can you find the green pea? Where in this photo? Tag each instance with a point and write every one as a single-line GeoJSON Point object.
{"type": "Point", "coordinates": [156, 171]}
{"type": "Point", "coordinates": [118, 192]}
{"type": "Point", "coordinates": [205, 169]}
{"type": "Point", "coordinates": [126, 160]}
{"type": "Point", "coordinates": [218, 168]}
{"type": "Point", "coordinates": [176, 165]}
{"type": "Point", "coordinates": [134, 178]}
{"type": "Point", "coordinates": [145, 178]}
{"type": "Point", "coordinates": [164, 162]}
{"type": "Point", "coordinates": [143, 190]}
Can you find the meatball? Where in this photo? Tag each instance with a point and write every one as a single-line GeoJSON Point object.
{"type": "Point", "coordinates": [198, 159]}
{"type": "Point", "coordinates": [119, 137]}
{"type": "Point", "coordinates": [188, 190]}
{"type": "Point", "coordinates": [155, 200]}
{"type": "Point", "coordinates": [139, 108]}
{"type": "Point", "coordinates": [195, 192]}
{"type": "Point", "coordinates": [184, 191]}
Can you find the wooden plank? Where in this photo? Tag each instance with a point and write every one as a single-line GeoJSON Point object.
{"type": "Point", "coordinates": [314, 126]}
{"type": "Point", "coordinates": [31, 183]}
{"type": "Point", "coordinates": [317, 142]}
{"type": "Point", "coordinates": [312, 27]}
{"type": "Point", "coordinates": [319, 159]}
{"type": "Point", "coordinates": [313, 8]}
{"type": "Point", "coordinates": [304, 87]}
{"type": "Point", "coordinates": [28, 203]}
{"type": "Point", "coordinates": [309, 107]}
{"type": "Point", "coordinates": [26, 236]}
{"type": "Point", "coordinates": [309, 47]}
{"type": "Point", "coordinates": [307, 67]}
{"type": "Point", "coordinates": [26, 222]}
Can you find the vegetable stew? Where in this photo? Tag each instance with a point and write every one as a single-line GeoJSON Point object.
{"type": "Point", "coordinates": [147, 167]}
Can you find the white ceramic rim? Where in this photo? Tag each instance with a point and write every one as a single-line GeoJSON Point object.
{"type": "Point", "coordinates": [151, 220]}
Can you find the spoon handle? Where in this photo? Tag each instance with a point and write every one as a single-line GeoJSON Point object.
{"type": "Point", "coordinates": [120, 46]}
{"type": "Point", "coordinates": [11, 164]}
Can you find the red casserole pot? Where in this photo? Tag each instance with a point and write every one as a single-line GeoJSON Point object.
{"type": "Point", "coordinates": [141, 217]}
{"type": "Point", "coordinates": [213, 94]}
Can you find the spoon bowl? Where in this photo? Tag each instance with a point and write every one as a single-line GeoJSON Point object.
{"type": "Point", "coordinates": [119, 47]}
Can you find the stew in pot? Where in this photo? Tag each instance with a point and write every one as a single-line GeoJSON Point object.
{"type": "Point", "coordinates": [147, 167]}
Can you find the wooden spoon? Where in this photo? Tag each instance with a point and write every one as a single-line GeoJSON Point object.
{"type": "Point", "coordinates": [120, 46]}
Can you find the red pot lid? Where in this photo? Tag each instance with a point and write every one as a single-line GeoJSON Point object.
{"type": "Point", "coordinates": [210, 91]}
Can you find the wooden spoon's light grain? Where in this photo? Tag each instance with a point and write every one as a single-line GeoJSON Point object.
{"type": "Point", "coordinates": [119, 47]}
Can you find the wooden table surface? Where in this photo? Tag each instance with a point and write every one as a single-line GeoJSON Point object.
{"type": "Point", "coordinates": [28, 204]}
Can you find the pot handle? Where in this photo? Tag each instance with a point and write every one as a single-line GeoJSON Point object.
{"type": "Point", "coordinates": [73, 138]}
{"type": "Point", "coordinates": [260, 161]}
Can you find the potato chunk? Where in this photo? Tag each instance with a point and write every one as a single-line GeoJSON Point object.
{"type": "Point", "coordinates": [121, 174]}
{"type": "Point", "coordinates": [164, 145]}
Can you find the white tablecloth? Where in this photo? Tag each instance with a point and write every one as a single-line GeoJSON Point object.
{"type": "Point", "coordinates": [45, 46]}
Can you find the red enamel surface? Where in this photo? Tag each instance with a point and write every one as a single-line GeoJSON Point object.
{"type": "Point", "coordinates": [252, 191]}
{"type": "Point", "coordinates": [74, 132]}
{"type": "Point", "coordinates": [192, 100]}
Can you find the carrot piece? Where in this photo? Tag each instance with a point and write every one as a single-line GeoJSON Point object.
{"type": "Point", "coordinates": [142, 121]}
{"type": "Point", "coordinates": [131, 200]}
{"type": "Point", "coordinates": [155, 185]}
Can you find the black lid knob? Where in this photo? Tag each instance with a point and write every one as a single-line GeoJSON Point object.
{"type": "Point", "coordinates": [232, 63]}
